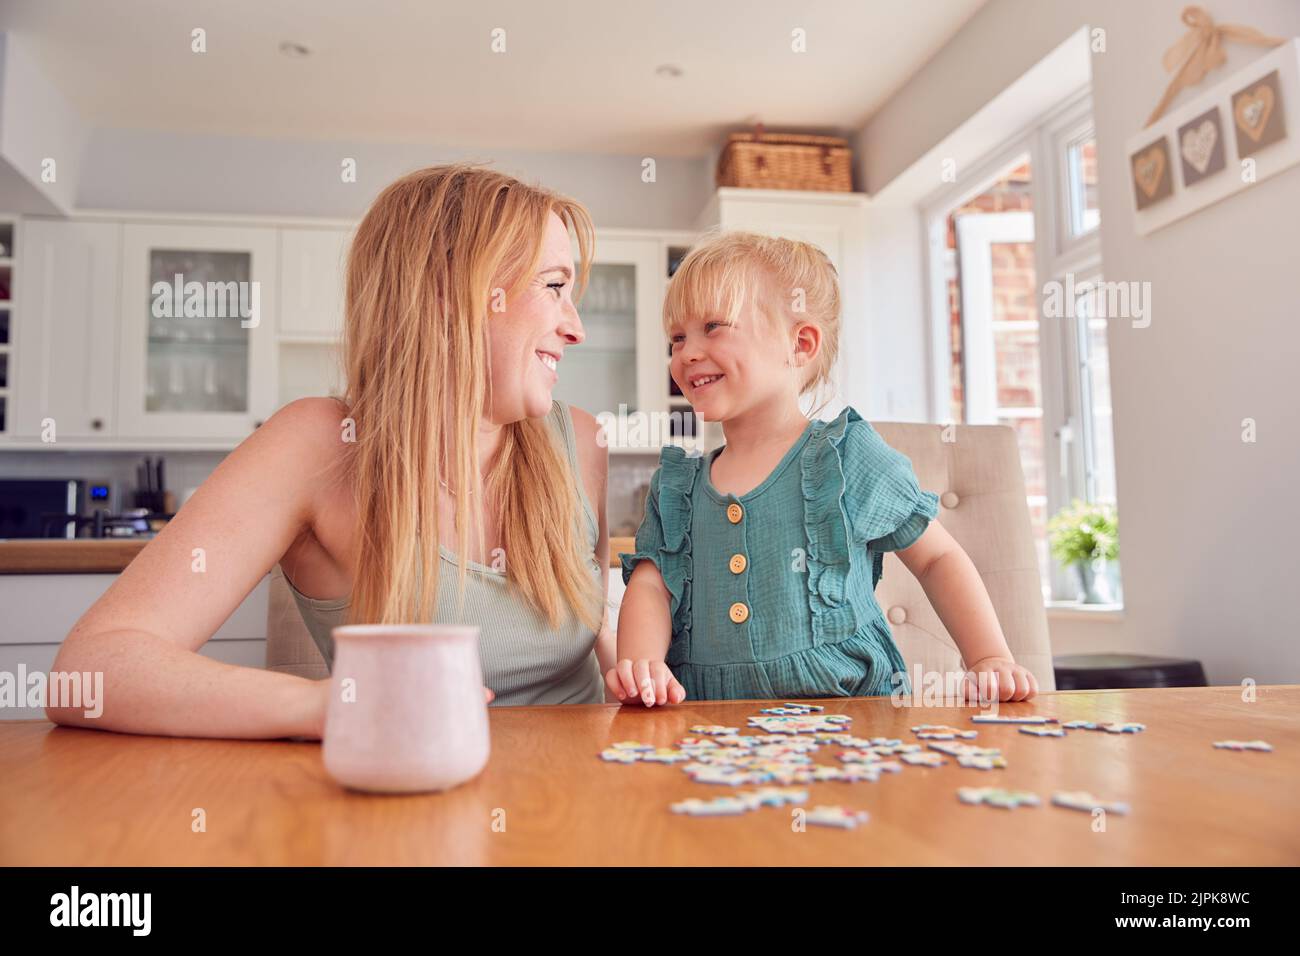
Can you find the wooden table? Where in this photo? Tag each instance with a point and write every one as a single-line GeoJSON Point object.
{"type": "Point", "coordinates": [82, 797]}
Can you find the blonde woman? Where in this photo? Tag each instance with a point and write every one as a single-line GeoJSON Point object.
{"type": "Point", "coordinates": [445, 486]}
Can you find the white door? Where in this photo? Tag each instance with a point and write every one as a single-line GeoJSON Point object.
{"type": "Point", "coordinates": [66, 329]}
{"type": "Point", "coordinates": [197, 352]}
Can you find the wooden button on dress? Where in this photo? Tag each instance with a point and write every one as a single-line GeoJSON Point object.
{"type": "Point", "coordinates": [737, 563]}
{"type": "Point", "coordinates": [739, 613]}
{"type": "Point", "coordinates": [735, 513]}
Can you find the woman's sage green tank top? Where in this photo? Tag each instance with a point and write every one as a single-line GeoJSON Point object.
{"type": "Point", "coordinates": [525, 660]}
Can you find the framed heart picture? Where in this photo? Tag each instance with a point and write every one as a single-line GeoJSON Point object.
{"type": "Point", "coordinates": [1228, 138]}
{"type": "Point", "coordinates": [1152, 175]}
{"type": "Point", "coordinates": [1200, 146]}
{"type": "Point", "coordinates": [1257, 112]}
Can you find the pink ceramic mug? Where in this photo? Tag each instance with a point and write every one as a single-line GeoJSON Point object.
{"type": "Point", "coordinates": [406, 712]}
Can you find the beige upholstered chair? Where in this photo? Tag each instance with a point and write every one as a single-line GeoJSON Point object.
{"type": "Point", "coordinates": [981, 490]}
{"type": "Point", "coordinates": [982, 504]}
{"type": "Point", "coordinates": [289, 647]}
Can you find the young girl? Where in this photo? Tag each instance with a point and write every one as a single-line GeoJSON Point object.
{"type": "Point", "coordinates": [756, 564]}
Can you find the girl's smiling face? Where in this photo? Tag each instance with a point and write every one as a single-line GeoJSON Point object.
{"type": "Point", "coordinates": [724, 369]}
{"type": "Point", "coordinates": [527, 341]}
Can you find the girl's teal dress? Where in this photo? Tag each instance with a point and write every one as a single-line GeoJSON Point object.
{"type": "Point", "coordinates": [772, 592]}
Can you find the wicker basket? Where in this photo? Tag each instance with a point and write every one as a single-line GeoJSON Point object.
{"type": "Point", "coordinates": [760, 160]}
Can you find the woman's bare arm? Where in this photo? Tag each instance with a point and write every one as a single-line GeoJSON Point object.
{"type": "Point", "coordinates": [593, 460]}
{"type": "Point", "coordinates": [144, 633]}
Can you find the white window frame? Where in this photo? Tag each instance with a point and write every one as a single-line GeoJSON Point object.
{"type": "Point", "coordinates": [1058, 251]}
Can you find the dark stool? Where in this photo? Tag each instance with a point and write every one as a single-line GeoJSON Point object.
{"type": "Point", "coordinates": [1104, 671]}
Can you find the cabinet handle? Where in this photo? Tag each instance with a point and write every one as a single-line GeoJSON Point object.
{"type": "Point", "coordinates": [97, 424]}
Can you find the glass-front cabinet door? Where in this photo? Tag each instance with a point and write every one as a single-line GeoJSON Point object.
{"type": "Point", "coordinates": [198, 339]}
{"type": "Point", "coordinates": [619, 363]}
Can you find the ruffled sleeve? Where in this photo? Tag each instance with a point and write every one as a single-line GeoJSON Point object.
{"type": "Point", "coordinates": [664, 537]}
{"type": "Point", "coordinates": [887, 509]}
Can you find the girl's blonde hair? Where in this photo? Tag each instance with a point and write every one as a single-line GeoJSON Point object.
{"type": "Point", "coordinates": [420, 280]}
{"type": "Point", "coordinates": [784, 279]}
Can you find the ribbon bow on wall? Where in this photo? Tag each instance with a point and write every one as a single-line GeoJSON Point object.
{"type": "Point", "coordinates": [1200, 51]}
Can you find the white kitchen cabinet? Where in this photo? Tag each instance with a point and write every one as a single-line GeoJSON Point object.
{"type": "Point", "coordinates": [313, 269]}
{"type": "Point", "coordinates": [65, 330]}
{"type": "Point", "coordinates": [197, 354]}
{"type": "Point", "coordinates": [40, 610]}
{"type": "Point", "coordinates": [834, 222]}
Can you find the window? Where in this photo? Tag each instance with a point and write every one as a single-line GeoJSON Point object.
{"type": "Point", "coordinates": [1024, 222]}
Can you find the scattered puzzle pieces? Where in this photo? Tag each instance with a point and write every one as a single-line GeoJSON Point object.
{"type": "Point", "coordinates": [997, 797]}
{"type": "Point", "coordinates": [1006, 719]}
{"type": "Point", "coordinates": [1259, 745]}
{"type": "Point", "coordinates": [1082, 800]}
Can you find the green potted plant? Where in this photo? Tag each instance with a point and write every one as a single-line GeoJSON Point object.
{"type": "Point", "coordinates": [1086, 537]}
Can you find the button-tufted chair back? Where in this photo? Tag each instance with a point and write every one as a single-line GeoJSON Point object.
{"type": "Point", "coordinates": [981, 490]}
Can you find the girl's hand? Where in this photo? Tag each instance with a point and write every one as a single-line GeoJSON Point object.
{"type": "Point", "coordinates": [1005, 680]}
{"type": "Point", "coordinates": [645, 682]}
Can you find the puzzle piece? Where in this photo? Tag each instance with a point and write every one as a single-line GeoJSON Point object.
{"type": "Point", "coordinates": [1082, 800]}
{"type": "Point", "coordinates": [923, 759]}
{"type": "Point", "coordinates": [941, 732]}
{"type": "Point", "coordinates": [801, 723]}
{"type": "Point", "coordinates": [1259, 745]}
{"type": "Point", "coordinates": [665, 755]}
{"type": "Point", "coordinates": [714, 730]}
{"type": "Point", "coordinates": [614, 755]}
{"type": "Point", "coordinates": [631, 745]}
{"type": "Point", "coordinates": [1123, 728]}
{"type": "Point", "coordinates": [870, 772]}
{"type": "Point", "coordinates": [1037, 731]}
{"type": "Point", "coordinates": [956, 748]}
{"type": "Point", "coordinates": [1111, 728]}
{"type": "Point", "coordinates": [716, 807]}
{"type": "Point", "coordinates": [836, 816]}
{"type": "Point", "coordinates": [982, 761]}
{"type": "Point", "coordinates": [997, 797]}
{"type": "Point", "coordinates": [1007, 719]}
{"type": "Point", "coordinates": [792, 709]}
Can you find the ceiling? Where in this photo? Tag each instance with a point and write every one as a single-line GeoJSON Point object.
{"type": "Point", "coordinates": [576, 75]}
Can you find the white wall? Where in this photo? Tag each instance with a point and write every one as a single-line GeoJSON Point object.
{"type": "Point", "coordinates": [1209, 523]}
{"type": "Point", "coordinates": [161, 171]}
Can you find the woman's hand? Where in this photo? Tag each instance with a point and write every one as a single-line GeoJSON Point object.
{"type": "Point", "coordinates": [999, 678]}
{"type": "Point", "coordinates": [646, 682]}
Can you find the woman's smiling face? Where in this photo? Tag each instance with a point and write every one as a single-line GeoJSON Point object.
{"type": "Point", "coordinates": [526, 341]}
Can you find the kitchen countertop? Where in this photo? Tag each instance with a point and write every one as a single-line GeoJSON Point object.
{"type": "Point", "coordinates": [110, 555]}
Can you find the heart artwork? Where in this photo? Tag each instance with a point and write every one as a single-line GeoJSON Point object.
{"type": "Point", "coordinates": [1149, 168]}
{"type": "Point", "coordinates": [1198, 145]}
{"type": "Point", "coordinates": [1253, 110]}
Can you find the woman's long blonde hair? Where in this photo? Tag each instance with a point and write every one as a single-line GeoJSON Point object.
{"type": "Point", "coordinates": [420, 286]}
